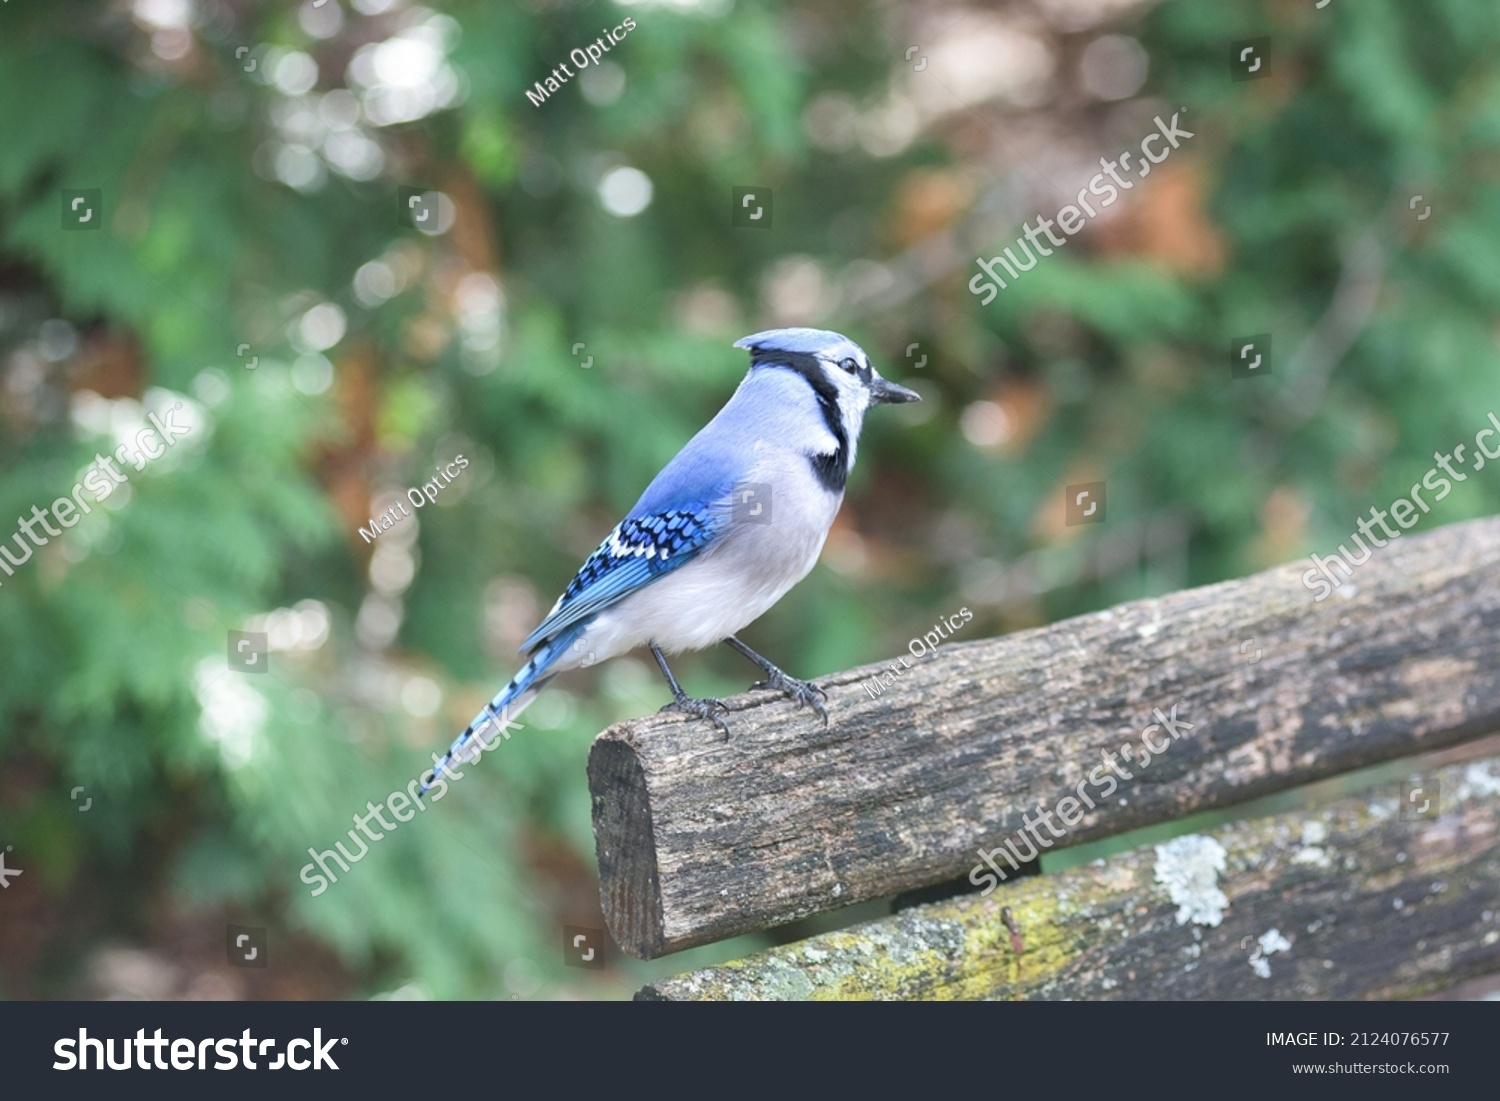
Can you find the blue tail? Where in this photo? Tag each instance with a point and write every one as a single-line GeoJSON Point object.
{"type": "Point", "coordinates": [501, 711]}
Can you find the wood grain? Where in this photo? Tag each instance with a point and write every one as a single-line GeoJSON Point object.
{"type": "Point", "coordinates": [1352, 901]}
{"type": "Point", "coordinates": [701, 839]}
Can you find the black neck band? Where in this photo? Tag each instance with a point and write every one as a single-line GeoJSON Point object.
{"type": "Point", "coordinates": [832, 470]}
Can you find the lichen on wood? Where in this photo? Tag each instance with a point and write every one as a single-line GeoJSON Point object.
{"type": "Point", "coordinates": [1385, 908]}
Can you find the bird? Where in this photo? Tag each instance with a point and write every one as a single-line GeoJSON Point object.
{"type": "Point", "coordinates": [732, 523]}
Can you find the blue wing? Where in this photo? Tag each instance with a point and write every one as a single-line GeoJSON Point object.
{"type": "Point", "coordinates": [643, 547]}
{"type": "Point", "coordinates": [684, 509]}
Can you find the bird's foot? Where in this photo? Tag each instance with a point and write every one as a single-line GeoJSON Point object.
{"type": "Point", "coordinates": [710, 709]}
{"type": "Point", "coordinates": [805, 692]}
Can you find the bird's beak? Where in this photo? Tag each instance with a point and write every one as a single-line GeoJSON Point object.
{"type": "Point", "coordinates": [885, 392]}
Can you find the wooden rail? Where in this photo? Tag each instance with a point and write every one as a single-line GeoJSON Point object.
{"type": "Point", "coordinates": [700, 839]}
{"type": "Point", "coordinates": [1363, 898]}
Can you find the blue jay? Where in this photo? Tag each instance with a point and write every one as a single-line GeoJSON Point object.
{"type": "Point", "coordinates": [695, 560]}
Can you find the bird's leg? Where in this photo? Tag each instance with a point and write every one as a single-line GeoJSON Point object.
{"type": "Point", "coordinates": [710, 709]}
{"type": "Point", "coordinates": [803, 691]}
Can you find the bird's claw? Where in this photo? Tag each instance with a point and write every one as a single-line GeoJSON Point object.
{"type": "Point", "coordinates": [805, 692]}
{"type": "Point", "coordinates": [710, 709]}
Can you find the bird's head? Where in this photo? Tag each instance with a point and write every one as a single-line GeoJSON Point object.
{"type": "Point", "coordinates": [837, 368]}
{"type": "Point", "coordinates": [841, 379]}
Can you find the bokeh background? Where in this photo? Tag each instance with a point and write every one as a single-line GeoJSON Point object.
{"type": "Point", "coordinates": [249, 261]}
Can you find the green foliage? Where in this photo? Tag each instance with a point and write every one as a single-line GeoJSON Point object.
{"type": "Point", "coordinates": [1109, 361]}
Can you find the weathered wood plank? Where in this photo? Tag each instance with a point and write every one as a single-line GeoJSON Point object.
{"type": "Point", "coordinates": [701, 839]}
{"type": "Point", "coordinates": [1345, 901]}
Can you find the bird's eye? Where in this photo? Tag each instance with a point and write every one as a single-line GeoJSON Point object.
{"type": "Point", "coordinates": [849, 365]}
